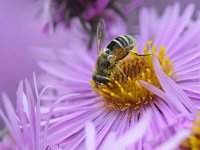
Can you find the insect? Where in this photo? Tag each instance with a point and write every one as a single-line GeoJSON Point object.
{"type": "Point", "coordinates": [115, 51]}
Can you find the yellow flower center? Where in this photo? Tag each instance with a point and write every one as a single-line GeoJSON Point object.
{"type": "Point", "coordinates": [193, 141]}
{"type": "Point", "coordinates": [124, 90]}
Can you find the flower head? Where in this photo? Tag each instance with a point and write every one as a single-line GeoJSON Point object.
{"type": "Point", "coordinates": [192, 141]}
{"type": "Point", "coordinates": [186, 135]}
{"type": "Point", "coordinates": [24, 129]}
{"type": "Point", "coordinates": [111, 141]}
{"type": "Point", "coordinates": [124, 91]}
{"type": "Point", "coordinates": [165, 81]}
{"type": "Point", "coordinates": [62, 11]}
{"type": "Point", "coordinates": [87, 11]}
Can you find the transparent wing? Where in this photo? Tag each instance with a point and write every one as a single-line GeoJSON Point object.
{"type": "Point", "coordinates": [100, 34]}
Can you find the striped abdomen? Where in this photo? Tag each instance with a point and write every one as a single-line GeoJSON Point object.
{"type": "Point", "coordinates": [121, 46]}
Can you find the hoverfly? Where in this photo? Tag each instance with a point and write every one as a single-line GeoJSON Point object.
{"type": "Point", "coordinates": [108, 58]}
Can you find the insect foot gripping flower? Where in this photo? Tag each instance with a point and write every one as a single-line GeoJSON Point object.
{"type": "Point", "coordinates": [166, 81]}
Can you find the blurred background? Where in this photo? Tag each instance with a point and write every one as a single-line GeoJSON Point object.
{"type": "Point", "coordinates": [22, 29]}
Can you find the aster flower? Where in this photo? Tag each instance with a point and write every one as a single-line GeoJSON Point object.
{"type": "Point", "coordinates": [88, 12]}
{"type": "Point", "coordinates": [165, 81]}
{"type": "Point", "coordinates": [192, 140]}
{"type": "Point", "coordinates": [186, 136]}
{"type": "Point", "coordinates": [111, 141]}
{"type": "Point", "coordinates": [63, 11]}
{"type": "Point", "coordinates": [25, 128]}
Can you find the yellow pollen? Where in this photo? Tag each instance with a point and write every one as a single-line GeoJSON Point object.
{"type": "Point", "coordinates": [193, 141]}
{"type": "Point", "coordinates": [124, 90]}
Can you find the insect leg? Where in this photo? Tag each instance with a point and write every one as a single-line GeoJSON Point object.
{"type": "Point", "coordinates": [100, 79]}
{"type": "Point", "coordinates": [141, 54]}
{"type": "Point", "coordinates": [112, 76]}
{"type": "Point", "coordinates": [117, 66]}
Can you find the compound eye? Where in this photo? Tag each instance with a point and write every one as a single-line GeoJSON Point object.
{"type": "Point", "coordinates": [110, 58]}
